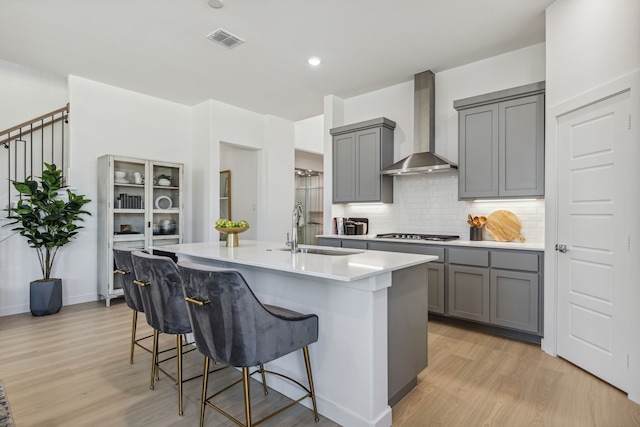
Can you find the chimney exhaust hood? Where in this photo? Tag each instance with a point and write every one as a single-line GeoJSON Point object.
{"type": "Point", "coordinates": [423, 160]}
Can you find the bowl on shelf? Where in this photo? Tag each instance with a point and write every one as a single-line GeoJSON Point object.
{"type": "Point", "coordinates": [164, 182]}
{"type": "Point", "coordinates": [120, 174]}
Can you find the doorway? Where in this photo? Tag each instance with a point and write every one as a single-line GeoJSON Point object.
{"type": "Point", "coordinates": [242, 165]}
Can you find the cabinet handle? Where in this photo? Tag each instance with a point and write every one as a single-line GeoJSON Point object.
{"type": "Point", "coordinates": [118, 271]}
{"type": "Point", "coordinates": [141, 283]}
{"type": "Point", "coordinates": [562, 248]}
{"type": "Point", "coordinates": [195, 301]}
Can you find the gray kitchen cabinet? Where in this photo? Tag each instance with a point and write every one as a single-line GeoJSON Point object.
{"type": "Point", "coordinates": [354, 244]}
{"type": "Point", "coordinates": [499, 287]}
{"type": "Point", "coordinates": [468, 289]}
{"type": "Point", "coordinates": [325, 241]}
{"type": "Point", "coordinates": [435, 269]}
{"type": "Point", "coordinates": [514, 300]}
{"type": "Point", "coordinates": [501, 144]}
{"type": "Point", "coordinates": [360, 152]}
{"type": "Point", "coordinates": [515, 290]}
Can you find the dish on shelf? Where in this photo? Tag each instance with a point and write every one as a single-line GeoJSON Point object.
{"type": "Point", "coordinates": [163, 202]}
{"type": "Point", "coordinates": [164, 182]}
{"type": "Point", "coordinates": [121, 181]}
{"type": "Point", "coordinates": [120, 174]}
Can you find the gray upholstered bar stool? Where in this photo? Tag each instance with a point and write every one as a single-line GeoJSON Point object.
{"type": "Point", "coordinates": [124, 272]}
{"type": "Point", "coordinates": [164, 307]}
{"type": "Point", "coordinates": [231, 326]}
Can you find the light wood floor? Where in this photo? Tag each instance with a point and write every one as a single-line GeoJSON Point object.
{"type": "Point", "coordinates": [72, 369]}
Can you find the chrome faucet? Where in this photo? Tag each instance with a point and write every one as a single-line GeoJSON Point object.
{"type": "Point", "coordinates": [297, 220]}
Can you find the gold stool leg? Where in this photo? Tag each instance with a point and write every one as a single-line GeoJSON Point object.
{"type": "Point", "coordinates": [154, 359]}
{"type": "Point", "coordinates": [307, 362]}
{"type": "Point", "coordinates": [179, 357]}
{"type": "Point", "coordinates": [247, 398]}
{"type": "Point", "coordinates": [134, 324]}
{"type": "Point", "coordinates": [205, 379]}
{"type": "Point", "coordinates": [264, 379]}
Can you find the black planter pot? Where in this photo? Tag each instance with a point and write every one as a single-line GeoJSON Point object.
{"type": "Point", "coordinates": [45, 296]}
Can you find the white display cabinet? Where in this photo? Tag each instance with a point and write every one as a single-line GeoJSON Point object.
{"type": "Point", "coordinates": [139, 205]}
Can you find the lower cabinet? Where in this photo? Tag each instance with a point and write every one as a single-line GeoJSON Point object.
{"type": "Point", "coordinates": [498, 287]}
{"type": "Point", "coordinates": [514, 300]}
{"type": "Point", "coordinates": [435, 279]}
{"type": "Point", "coordinates": [469, 293]}
{"type": "Point", "coordinates": [354, 244]}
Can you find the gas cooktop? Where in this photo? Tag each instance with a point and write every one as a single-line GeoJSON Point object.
{"type": "Point", "coordinates": [412, 236]}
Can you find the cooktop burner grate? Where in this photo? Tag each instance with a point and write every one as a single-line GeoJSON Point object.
{"type": "Point", "coordinates": [413, 236]}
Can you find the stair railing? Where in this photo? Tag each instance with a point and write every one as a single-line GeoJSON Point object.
{"type": "Point", "coordinates": [27, 147]}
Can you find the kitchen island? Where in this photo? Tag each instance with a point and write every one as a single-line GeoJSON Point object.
{"type": "Point", "coordinates": [372, 311]}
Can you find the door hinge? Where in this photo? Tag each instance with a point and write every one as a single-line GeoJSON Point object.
{"type": "Point", "coordinates": [629, 121]}
{"type": "Point", "coordinates": [629, 242]}
{"type": "Point", "coordinates": [627, 361]}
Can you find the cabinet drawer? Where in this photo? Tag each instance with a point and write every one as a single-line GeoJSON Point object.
{"type": "Point", "coordinates": [510, 260]}
{"type": "Point", "coordinates": [409, 249]}
{"type": "Point", "coordinates": [469, 257]}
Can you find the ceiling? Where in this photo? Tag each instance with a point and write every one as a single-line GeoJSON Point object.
{"type": "Point", "coordinates": [159, 47]}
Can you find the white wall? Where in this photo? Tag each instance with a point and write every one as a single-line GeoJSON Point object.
{"type": "Point", "coordinates": [308, 134]}
{"type": "Point", "coordinates": [110, 120]}
{"type": "Point", "coordinates": [279, 184]}
{"type": "Point", "coordinates": [26, 93]}
{"type": "Point", "coordinates": [589, 42]}
{"type": "Point", "coordinates": [593, 44]}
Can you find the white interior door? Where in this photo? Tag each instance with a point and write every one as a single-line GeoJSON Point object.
{"type": "Point", "coordinates": [593, 155]}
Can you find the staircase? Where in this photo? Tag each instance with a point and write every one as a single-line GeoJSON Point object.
{"type": "Point", "coordinates": [25, 148]}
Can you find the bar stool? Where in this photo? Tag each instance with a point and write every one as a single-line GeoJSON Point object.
{"type": "Point", "coordinates": [124, 272]}
{"type": "Point", "coordinates": [231, 326]}
{"type": "Point", "coordinates": [165, 310]}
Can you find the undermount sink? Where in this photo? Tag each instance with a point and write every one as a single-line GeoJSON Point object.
{"type": "Point", "coordinates": [320, 251]}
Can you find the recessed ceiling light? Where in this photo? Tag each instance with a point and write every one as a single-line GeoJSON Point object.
{"type": "Point", "coordinates": [216, 4]}
{"type": "Point", "coordinates": [314, 61]}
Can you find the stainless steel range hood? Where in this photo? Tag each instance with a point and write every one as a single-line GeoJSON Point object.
{"type": "Point", "coordinates": [423, 160]}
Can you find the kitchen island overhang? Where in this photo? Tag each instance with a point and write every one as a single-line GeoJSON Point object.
{"type": "Point", "coordinates": [353, 363]}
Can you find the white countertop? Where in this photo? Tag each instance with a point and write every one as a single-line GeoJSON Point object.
{"type": "Point", "coordinates": [359, 264]}
{"type": "Point", "coordinates": [487, 244]}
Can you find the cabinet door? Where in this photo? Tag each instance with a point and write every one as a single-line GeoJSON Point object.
{"type": "Point", "coordinates": [354, 244]}
{"type": "Point", "coordinates": [166, 197]}
{"type": "Point", "coordinates": [522, 147]}
{"type": "Point", "coordinates": [325, 241]}
{"type": "Point", "coordinates": [344, 183]}
{"type": "Point", "coordinates": [436, 288]}
{"type": "Point", "coordinates": [478, 152]}
{"type": "Point", "coordinates": [367, 165]}
{"type": "Point", "coordinates": [514, 300]}
{"type": "Point", "coordinates": [469, 293]}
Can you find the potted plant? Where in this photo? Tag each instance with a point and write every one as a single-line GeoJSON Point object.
{"type": "Point", "coordinates": [48, 222]}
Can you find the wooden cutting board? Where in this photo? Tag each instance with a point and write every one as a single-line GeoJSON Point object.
{"type": "Point", "coordinates": [503, 226]}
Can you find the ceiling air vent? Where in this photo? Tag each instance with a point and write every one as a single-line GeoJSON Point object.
{"type": "Point", "coordinates": [225, 38]}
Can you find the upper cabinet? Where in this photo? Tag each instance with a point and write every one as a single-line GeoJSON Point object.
{"type": "Point", "coordinates": [360, 152]}
{"type": "Point", "coordinates": [501, 144]}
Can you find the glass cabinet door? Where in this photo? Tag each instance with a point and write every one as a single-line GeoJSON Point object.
{"type": "Point", "coordinates": [166, 196]}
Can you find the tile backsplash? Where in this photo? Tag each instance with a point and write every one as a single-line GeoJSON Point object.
{"type": "Point", "coordinates": [429, 204]}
